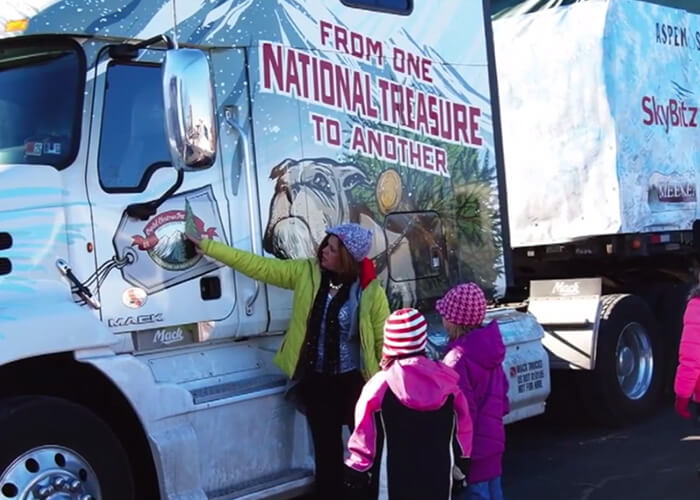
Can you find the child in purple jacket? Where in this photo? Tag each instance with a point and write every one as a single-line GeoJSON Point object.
{"type": "Point", "coordinates": [476, 353]}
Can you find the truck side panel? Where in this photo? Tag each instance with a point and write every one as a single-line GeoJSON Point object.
{"type": "Point", "coordinates": [439, 105]}
{"type": "Point", "coordinates": [430, 199]}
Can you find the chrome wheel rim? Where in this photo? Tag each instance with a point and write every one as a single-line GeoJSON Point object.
{"type": "Point", "coordinates": [49, 473]}
{"type": "Point", "coordinates": [635, 361]}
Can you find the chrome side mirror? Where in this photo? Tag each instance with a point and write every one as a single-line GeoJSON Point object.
{"type": "Point", "coordinates": [188, 100]}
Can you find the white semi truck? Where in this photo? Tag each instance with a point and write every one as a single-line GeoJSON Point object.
{"type": "Point", "coordinates": [133, 367]}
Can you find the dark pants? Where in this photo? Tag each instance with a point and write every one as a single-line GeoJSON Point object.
{"type": "Point", "coordinates": [330, 403]}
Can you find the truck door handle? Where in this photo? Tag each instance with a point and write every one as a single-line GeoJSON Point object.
{"type": "Point", "coordinates": [251, 206]}
{"type": "Point", "coordinates": [81, 290]}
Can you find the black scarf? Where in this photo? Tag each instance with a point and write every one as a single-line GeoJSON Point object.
{"type": "Point", "coordinates": [331, 344]}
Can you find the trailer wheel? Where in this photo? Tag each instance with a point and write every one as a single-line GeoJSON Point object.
{"type": "Point", "coordinates": [52, 448]}
{"type": "Point", "coordinates": [628, 378]}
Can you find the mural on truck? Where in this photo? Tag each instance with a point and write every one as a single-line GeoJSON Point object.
{"type": "Point", "coordinates": [392, 136]}
{"type": "Point", "coordinates": [655, 107]}
{"type": "Point", "coordinates": [353, 120]}
{"type": "Point", "coordinates": [615, 140]}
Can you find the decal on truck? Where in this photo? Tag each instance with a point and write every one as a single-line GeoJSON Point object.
{"type": "Point", "coordinates": [161, 259]}
{"type": "Point", "coordinates": [163, 238]}
{"type": "Point", "coordinates": [153, 255]}
{"type": "Point", "coordinates": [672, 188]}
{"type": "Point", "coordinates": [142, 319]}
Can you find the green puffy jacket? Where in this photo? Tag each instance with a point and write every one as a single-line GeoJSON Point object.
{"type": "Point", "coordinates": [304, 277]}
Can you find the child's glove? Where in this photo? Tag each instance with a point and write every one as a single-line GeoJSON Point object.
{"type": "Point", "coordinates": [459, 481]}
{"type": "Point", "coordinates": [460, 473]}
{"type": "Point", "coordinates": [355, 479]}
{"type": "Point", "coordinates": [463, 464]}
{"type": "Point", "coordinates": [682, 406]}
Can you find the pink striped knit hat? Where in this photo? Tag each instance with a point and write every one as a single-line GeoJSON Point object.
{"type": "Point", "coordinates": [405, 332]}
{"type": "Point", "coordinates": [463, 305]}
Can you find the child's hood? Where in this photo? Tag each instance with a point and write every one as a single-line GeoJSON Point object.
{"type": "Point", "coordinates": [420, 383]}
{"type": "Point", "coordinates": [484, 345]}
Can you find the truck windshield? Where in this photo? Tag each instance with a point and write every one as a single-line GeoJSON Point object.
{"type": "Point", "coordinates": [40, 90]}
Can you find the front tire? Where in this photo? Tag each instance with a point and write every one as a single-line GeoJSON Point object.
{"type": "Point", "coordinates": [51, 446]}
{"type": "Point", "coordinates": [628, 378]}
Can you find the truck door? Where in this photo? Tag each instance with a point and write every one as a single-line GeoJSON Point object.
{"type": "Point", "coordinates": [147, 278]}
{"type": "Point", "coordinates": [277, 137]}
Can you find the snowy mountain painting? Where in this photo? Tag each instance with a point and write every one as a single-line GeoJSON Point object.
{"type": "Point", "coordinates": [245, 23]}
{"type": "Point", "coordinates": [170, 249]}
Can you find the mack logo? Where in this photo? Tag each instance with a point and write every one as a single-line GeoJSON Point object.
{"type": "Point", "coordinates": [142, 319]}
{"type": "Point", "coordinates": [167, 337]}
{"type": "Point", "coordinates": [564, 288]}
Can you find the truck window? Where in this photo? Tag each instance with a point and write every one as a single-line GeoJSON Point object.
{"type": "Point", "coordinates": [133, 142]}
{"type": "Point", "coordinates": [41, 88]}
{"type": "Point", "coordinates": [415, 245]}
{"type": "Point", "coordinates": [403, 7]}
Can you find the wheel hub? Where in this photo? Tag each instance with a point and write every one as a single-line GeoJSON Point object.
{"type": "Point", "coordinates": [625, 362]}
{"type": "Point", "coordinates": [49, 473]}
{"type": "Point", "coordinates": [635, 361]}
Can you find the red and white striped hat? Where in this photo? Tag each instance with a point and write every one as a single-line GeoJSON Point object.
{"type": "Point", "coordinates": [405, 332]}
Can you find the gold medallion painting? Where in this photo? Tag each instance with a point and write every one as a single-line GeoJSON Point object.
{"type": "Point", "coordinates": [389, 191]}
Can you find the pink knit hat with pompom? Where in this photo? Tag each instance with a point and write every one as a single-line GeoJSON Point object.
{"type": "Point", "coordinates": [463, 305]}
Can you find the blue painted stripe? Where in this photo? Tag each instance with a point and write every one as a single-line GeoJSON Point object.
{"type": "Point", "coordinates": [31, 191]}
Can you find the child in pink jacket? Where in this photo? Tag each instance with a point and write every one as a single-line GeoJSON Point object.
{"type": "Point", "coordinates": [476, 353]}
{"type": "Point", "coordinates": [686, 385]}
{"type": "Point", "coordinates": [424, 415]}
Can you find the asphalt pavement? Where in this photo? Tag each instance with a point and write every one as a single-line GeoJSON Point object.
{"type": "Point", "coordinates": [553, 459]}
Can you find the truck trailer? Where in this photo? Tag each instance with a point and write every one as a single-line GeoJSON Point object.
{"type": "Point", "coordinates": [599, 103]}
{"type": "Point", "coordinates": [133, 367]}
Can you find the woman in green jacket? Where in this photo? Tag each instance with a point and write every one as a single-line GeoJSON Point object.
{"type": "Point", "coordinates": [335, 334]}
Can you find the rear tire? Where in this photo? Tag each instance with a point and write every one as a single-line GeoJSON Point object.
{"type": "Point", "coordinates": [629, 373]}
{"type": "Point", "coordinates": [53, 443]}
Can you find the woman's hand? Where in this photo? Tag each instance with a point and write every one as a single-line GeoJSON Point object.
{"type": "Point", "coordinates": [194, 241]}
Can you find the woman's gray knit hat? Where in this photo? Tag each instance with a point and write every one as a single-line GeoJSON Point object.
{"type": "Point", "coordinates": [356, 239]}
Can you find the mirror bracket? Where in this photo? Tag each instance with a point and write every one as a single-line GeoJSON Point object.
{"type": "Point", "coordinates": [144, 211]}
{"type": "Point", "coordinates": [131, 50]}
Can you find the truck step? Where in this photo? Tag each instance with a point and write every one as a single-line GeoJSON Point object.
{"type": "Point", "coordinates": [239, 388]}
{"type": "Point", "coordinates": [264, 487]}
